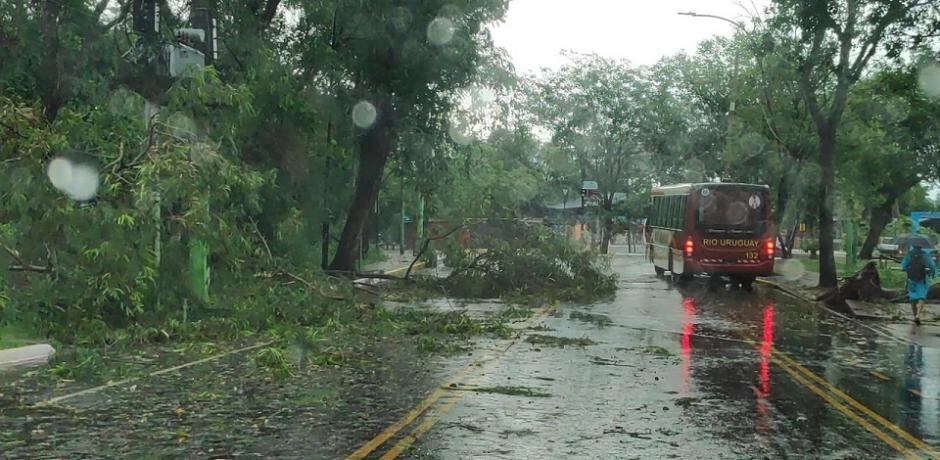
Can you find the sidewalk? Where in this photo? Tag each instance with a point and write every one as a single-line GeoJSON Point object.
{"type": "Point", "coordinates": [30, 355]}
{"type": "Point", "coordinates": [805, 287]}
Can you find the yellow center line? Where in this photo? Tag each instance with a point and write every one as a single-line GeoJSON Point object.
{"type": "Point", "coordinates": [425, 425]}
{"type": "Point", "coordinates": [403, 270]}
{"type": "Point", "coordinates": [860, 407]}
{"type": "Point", "coordinates": [428, 401]}
{"type": "Point", "coordinates": [879, 375]}
{"type": "Point", "coordinates": [907, 453]}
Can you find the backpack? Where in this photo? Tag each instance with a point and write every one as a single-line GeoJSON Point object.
{"type": "Point", "coordinates": [917, 267]}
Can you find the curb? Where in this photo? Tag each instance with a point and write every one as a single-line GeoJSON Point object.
{"type": "Point", "coordinates": [817, 303]}
{"type": "Point", "coordinates": [31, 355]}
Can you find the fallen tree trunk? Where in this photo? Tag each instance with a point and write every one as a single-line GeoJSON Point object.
{"type": "Point", "coordinates": [864, 285]}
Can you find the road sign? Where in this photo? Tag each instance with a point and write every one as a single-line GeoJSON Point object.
{"type": "Point", "coordinates": [589, 185]}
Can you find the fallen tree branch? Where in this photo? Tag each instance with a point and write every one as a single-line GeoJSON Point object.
{"type": "Point", "coordinates": [471, 266]}
{"type": "Point", "coordinates": [367, 275]}
{"type": "Point", "coordinates": [427, 242]}
{"type": "Point", "coordinates": [21, 266]}
{"type": "Point", "coordinates": [307, 284]}
{"type": "Point", "coordinates": [263, 239]}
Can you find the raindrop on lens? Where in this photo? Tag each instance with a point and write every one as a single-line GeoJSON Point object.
{"type": "Point", "coordinates": [791, 269]}
{"type": "Point", "coordinates": [364, 114]}
{"type": "Point", "coordinates": [84, 183]}
{"type": "Point", "coordinates": [458, 133]}
{"type": "Point", "coordinates": [695, 169]}
{"type": "Point", "coordinates": [78, 181]}
{"type": "Point", "coordinates": [929, 80]}
{"type": "Point", "coordinates": [401, 19]}
{"type": "Point", "coordinates": [60, 173]}
{"type": "Point", "coordinates": [183, 126]}
{"type": "Point", "coordinates": [483, 97]}
{"type": "Point", "coordinates": [441, 31]}
{"type": "Point", "coordinates": [736, 213]}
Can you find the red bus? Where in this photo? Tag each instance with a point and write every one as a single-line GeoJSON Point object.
{"type": "Point", "coordinates": [716, 229]}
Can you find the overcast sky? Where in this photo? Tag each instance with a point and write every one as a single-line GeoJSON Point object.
{"type": "Point", "coordinates": [536, 31]}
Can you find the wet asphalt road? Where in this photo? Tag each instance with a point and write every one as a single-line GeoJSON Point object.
{"type": "Point", "coordinates": [670, 372]}
{"type": "Point", "coordinates": [687, 373]}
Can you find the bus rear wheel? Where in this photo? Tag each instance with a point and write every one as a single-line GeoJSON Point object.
{"type": "Point", "coordinates": [746, 283]}
{"type": "Point", "coordinates": [682, 278]}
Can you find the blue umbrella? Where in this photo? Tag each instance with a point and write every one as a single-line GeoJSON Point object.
{"type": "Point", "coordinates": [913, 239]}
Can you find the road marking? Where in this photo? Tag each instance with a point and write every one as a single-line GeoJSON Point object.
{"type": "Point", "coordinates": [879, 375]}
{"type": "Point", "coordinates": [409, 417]}
{"type": "Point", "coordinates": [843, 409]}
{"type": "Point", "coordinates": [860, 407]}
{"type": "Point", "coordinates": [403, 270]}
{"type": "Point", "coordinates": [425, 425]}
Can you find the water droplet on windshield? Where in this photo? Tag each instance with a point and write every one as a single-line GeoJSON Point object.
{"type": "Point", "coordinates": [459, 134]}
{"type": "Point", "coordinates": [182, 125]}
{"type": "Point", "coordinates": [400, 19]}
{"type": "Point", "coordinates": [736, 213]}
{"type": "Point", "coordinates": [78, 181]}
{"type": "Point", "coordinates": [695, 170]}
{"type": "Point", "coordinates": [791, 269]}
{"type": "Point", "coordinates": [364, 114]}
{"type": "Point", "coordinates": [441, 31]}
{"type": "Point", "coordinates": [482, 97]}
{"type": "Point", "coordinates": [929, 80]}
{"type": "Point", "coordinates": [125, 103]}
{"type": "Point", "coordinates": [60, 173]}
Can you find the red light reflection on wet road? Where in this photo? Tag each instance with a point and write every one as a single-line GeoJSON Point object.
{"type": "Point", "coordinates": [763, 386]}
{"type": "Point", "coordinates": [688, 327]}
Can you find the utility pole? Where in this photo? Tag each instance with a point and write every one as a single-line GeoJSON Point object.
{"type": "Point", "coordinates": [734, 87]}
{"type": "Point", "coordinates": [419, 223]}
{"type": "Point", "coordinates": [202, 21]}
{"type": "Point", "coordinates": [401, 221]}
{"type": "Point", "coordinates": [325, 225]}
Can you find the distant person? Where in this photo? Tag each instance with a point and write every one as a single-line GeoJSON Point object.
{"type": "Point", "coordinates": [920, 267]}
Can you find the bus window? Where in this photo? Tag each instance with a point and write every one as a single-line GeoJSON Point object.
{"type": "Point", "coordinates": [733, 209]}
{"type": "Point", "coordinates": [658, 211]}
{"type": "Point", "coordinates": [654, 213]}
{"type": "Point", "coordinates": [682, 203]}
{"type": "Point", "coordinates": [668, 212]}
{"type": "Point", "coordinates": [673, 211]}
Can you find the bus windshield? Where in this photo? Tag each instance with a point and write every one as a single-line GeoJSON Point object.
{"type": "Point", "coordinates": [732, 209]}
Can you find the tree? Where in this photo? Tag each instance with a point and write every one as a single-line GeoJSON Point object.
{"type": "Point", "coordinates": [834, 43]}
{"type": "Point", "coordinates": [604, 114]}
{"type": "Point", "coordinates": [892, 141]}
{"type": "Point", "coordinates": [766, 138]}
{"type": "Point", "coordinates": [402, 65]}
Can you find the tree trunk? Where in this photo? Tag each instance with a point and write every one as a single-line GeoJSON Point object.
{"type": "Point", "coordinates": [827, 260]}
{"type": "Point", "coordinates": [791, 241]}
{"type": "Point", "coordinates": [880, 216]}
{"type": "Point", "coordinates": [374, 148]}
{"type": "Point", "coordinates": [48, 78]}
{"type": "Point", "coordinates": [608, 224]}
{"type": "Point", "coordinates": [325, 225]}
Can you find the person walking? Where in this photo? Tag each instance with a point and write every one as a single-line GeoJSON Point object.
{"type": "Point", "coordinates": [920, 267]}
